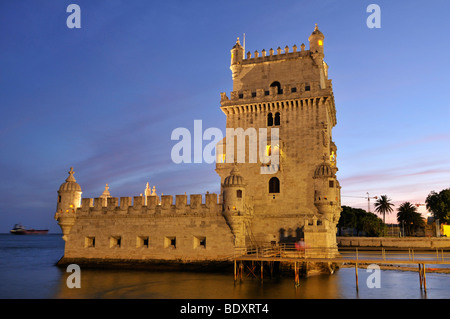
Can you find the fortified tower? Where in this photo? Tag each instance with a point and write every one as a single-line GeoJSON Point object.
{"type": "Point", "coordinates": [287, 91]}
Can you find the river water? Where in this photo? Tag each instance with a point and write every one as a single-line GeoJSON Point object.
{"type": "Point", "coordinates": [28, 271]}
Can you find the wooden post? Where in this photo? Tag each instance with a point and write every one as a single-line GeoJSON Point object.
{"type": "Point", "coordinates": [296, 274]}
{"type": "Point", "coordinates": [424, 278]}
{"type": "Point", "coordinates": [262, 270]}
{"type": "Point", "coordinates": [420, 276]}
{"type": "Point", "coordinates": [356, 273]}
{"type": "Point", "coordinates": [241, 266]}
{"type": "Point", "coordinates": [235, 271]}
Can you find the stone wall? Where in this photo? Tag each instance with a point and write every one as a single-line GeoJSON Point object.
{"type": "Point", "coordinates": [391, 242]}
{"type": "Point", "coordinates": [195, 232]}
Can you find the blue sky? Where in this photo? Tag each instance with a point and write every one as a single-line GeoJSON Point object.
{"type": "Point", "coordinates": [105, 98]}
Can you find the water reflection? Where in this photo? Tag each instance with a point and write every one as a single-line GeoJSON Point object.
{"type": "Point", "coordinates": [104, 284]}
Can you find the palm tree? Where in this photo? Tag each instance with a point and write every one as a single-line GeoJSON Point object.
{"type": "Point", "coordinates": [383, 205]}
{"type": "Point", "coordinates": [408, 215]}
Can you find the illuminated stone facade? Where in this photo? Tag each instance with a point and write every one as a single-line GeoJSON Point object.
{"type": "Point", "coordinates": [260, 204]}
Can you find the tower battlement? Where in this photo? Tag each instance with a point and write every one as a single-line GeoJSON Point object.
{"type": "Point", "coordinates": [280, 55]}
{"type": "Point", "coordinates": [150, 205]}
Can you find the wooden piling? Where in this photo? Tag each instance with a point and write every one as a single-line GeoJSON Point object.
{"type": "Point", "coordinates": [424, 278]}
{"type": "Point", "coordinates": [296, 275]}
{"type": "Point", "coordinates": [356, 273]}
{"type": "Point", "coordinates": [262, 270]}
{"type": "Point", "coordinates": [241, 268]}
{"type": "Point", "coordinates": [420, 276]}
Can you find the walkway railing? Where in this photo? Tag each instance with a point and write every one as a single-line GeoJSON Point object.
{"type": "Point", "coordinates": [298, 255]}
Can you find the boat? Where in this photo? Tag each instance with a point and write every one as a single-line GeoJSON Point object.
{"type": "Point", "coordinates": [20, 230]}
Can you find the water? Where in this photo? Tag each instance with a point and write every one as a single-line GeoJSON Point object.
{"type": "Point", "coordinates": [28, 271]}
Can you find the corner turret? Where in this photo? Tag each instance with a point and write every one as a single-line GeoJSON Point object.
{"type": "Point", "coordinates": [316, 41]}
{"type": "Point", "coordinates": [234, 208]}
{"type": "Point", "coordinates": [237, 55]}
{"type": "Point", "coordinates": [69, 199]}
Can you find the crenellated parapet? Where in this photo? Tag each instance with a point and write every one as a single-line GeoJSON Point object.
{"type": "Point", "coordinates": [298, 91]}
{"type": "Point", "coordinates": [280, 55]}
{"type": "Point", "coordinates": [138, 205]}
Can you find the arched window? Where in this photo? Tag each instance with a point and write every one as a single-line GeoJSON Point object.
{"type": "Point", "coordinates": [277, 118]}
{"type": "Point", "coordinates": [274, 185]}
{"type": "Point", "coordinates": [269, 119]}
{"type": "Point", "coordinates": [239, 193]}
{"type": "Point", "coordinates": [278, 86]}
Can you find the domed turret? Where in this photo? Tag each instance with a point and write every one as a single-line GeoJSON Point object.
{"type": "Point", "coordinates": [69, 194]}
{"type": "Point", "coordinates": [326, 187]}
{"type": "Point", "coordinates": [325, 170]}
{"type": "Point", "coordinates": [234, 191]}
{"type": "Point", "coordinates": [316, 40]}
{"type": "Point", "coordinates": [69, 199]}
{"type": "Point", "coordinates": [234, 179]}
{"type": "Point", "coordinates": [71, 183]}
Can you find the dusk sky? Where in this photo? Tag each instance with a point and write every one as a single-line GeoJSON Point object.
{"type": "Point", "coordinates": [106, 97]}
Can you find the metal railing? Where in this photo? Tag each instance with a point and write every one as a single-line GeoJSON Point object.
{"type": "Point", "coordinates": [284, 251]}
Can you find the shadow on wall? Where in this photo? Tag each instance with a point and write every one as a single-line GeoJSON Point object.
{"type": "Point", "coordinates": [290, 236]}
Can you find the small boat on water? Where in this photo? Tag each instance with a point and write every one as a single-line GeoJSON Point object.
{"type": "Point", "coordinates": [20, 230]}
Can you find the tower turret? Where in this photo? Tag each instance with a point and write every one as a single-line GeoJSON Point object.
{"type": "Point", "coordinates": [234, 192]}
{"type": "Point", "coordinates": [69, 199]}
{"type": "Point", "coordinates": [316, 41]}
{"type": "Point", "coordinates": [234, 205]}
{"type": "Point", "coordinates": [237, 55]}
{"type": "Point", "coordinates": [69, 194]}
{"type": "Point", "coordinates": [327, 191]}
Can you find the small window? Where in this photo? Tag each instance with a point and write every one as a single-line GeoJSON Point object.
{"type": "Point", "coordinates": [307, 87]}
{"type": "Point", "coordinates": [89, 242]}
{"type": "Point", "coordinates": [59, 199]}
{"type": "Point", "coordinates": [115, 242]}
{"type": "Point", "coordinates": [142, 241]}
{"type": "Point", "coordinates": [270, 119]}
{"type": "Point", "coordinates": [274, 185]}
{"type": "Point", "coordinates": [199, 242]}
{"type": "Point", "coordinates": [293, 90]}
{"type": "Point", "coordinates": [266, 92]}
{"type": "Point", "coordinates": [277, 118]}
{"type": "Point", "coordinates": [170, 242]}
{"type": "Point", "coordinates": [319, 222]}
{"type": "Point", "coordinates": [331, 184]}
{"type": "Point", "coordinates": [253, 94]}
{"type": "Point", "coordinates": [239, 193]}
{"type": "Point", "coordinates": [241, 95]}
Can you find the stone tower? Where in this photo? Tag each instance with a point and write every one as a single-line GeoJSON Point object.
{"type": "Point", "coordinates": [69, 199]}
{"type": "Point", "coordinates": [287, 90]}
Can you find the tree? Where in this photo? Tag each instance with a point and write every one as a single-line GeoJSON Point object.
{"type": "Point", "coordinates": [347, 219]}
{"type": "Point", "coordinates": [408, 216]}
{"type": "Point", "coordinates": [439, 204]}
{"type": "Point", "coordinates": [372, 225]}
{"type": "Point", "coordinates": [383, 205]}
{"type": "Point", "coordinates": [361, 221]}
